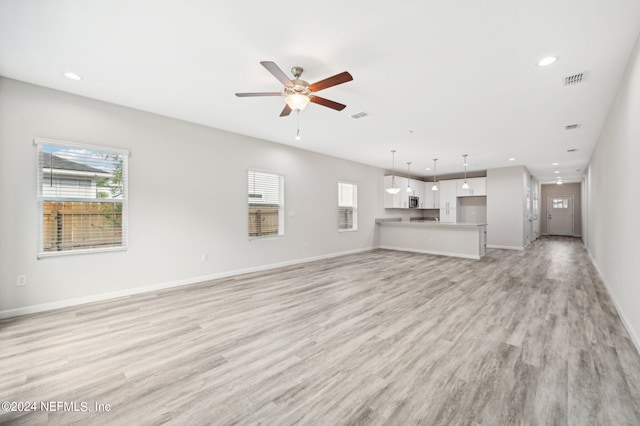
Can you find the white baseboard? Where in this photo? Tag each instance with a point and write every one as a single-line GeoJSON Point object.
{"type": "Point", "coordinates": [574, 235]}
{"type": "Point", "coordinates": [497, 246]}
{"type": "Point", "coordinates": [32, 309]}
{"type": "Point", "coordinates": [627, 324]}
{"type": "Point", "coordinates": [440, 253]}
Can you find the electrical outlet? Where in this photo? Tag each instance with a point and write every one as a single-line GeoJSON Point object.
{"type": "Point", "coordinates": [22, 280]}
{"type": "Point", "coordinates": [204, 257]}
{"type": "Point", "coordinates": [306, 245]}
{"type": "Point", "coordinates": [292, 213]}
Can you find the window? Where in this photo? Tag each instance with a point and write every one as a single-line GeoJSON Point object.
{"type": "Point", "coordinates": [347, 206]}
{"type": "Point", "coordinates": [266, 204]}
{"type": "Point", "coordinates": [82, 198]}
{"type": "Point", "coordinates": [560, 203]}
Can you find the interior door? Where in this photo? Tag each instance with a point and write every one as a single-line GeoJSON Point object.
{"type": "Point", "coordinates": [560, 215]}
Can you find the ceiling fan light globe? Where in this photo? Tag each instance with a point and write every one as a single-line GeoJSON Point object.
{"type": "Point", "coordinates": [297, 101]}
{"type": "Point", "coordinates": [393, 190]}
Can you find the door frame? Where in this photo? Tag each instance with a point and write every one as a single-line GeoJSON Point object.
{"type": "Point", "coordinates": [573, 208]}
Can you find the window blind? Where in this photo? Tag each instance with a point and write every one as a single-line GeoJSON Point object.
{"type": "Point", "coordinates": [82, 197]}
{"type": "Point", "coordinates": [347, 206]}
{"type": "Point", "coordinates": [266, 204]}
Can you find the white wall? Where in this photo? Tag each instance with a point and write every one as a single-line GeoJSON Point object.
{"type": "Point", "coordinates": [612, 215]}
{"type": "Point", "coordinates": [187, 194]}
{"type": "Point", "coordinates": [472, 209]}
{"type": "Point", "coordinates": [506, 202]}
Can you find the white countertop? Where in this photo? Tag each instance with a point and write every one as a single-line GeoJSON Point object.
{"type": "Point", "coordinates": [399, 222]}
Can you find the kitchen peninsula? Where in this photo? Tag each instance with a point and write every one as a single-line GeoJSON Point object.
{"type": "Point", "coordinates": [448, 239]}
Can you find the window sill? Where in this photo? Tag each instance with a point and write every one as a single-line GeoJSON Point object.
{"type": "Point", "coordinates": [348, 230]}
{"type": "Point", "coordinates": [45, 254]}
{"type": "Point", "coordinates": [267, 237]}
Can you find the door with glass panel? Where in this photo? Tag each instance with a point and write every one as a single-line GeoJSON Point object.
{"type": "Point", "coordinates": [560, 215]}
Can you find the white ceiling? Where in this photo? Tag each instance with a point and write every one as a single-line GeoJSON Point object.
{"type": "Point", "coordinates": [438, 78]}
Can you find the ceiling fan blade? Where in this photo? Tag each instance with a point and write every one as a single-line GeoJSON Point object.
{"type": "Point", "coordinates": [343, 77]}
{"type": "Point", "coordinates": [326, 102]}
{"type": "Point", "coordinates": [245, 95]}
{"type": "Point", "coordinates": [277, 72]}
{"type": "Point", "coordinates": [286, 111]}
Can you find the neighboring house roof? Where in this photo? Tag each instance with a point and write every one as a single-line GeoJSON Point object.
{"type": "Point", "coordinates": [55, 162]}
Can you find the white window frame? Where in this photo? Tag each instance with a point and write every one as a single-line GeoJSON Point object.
{"type": "Point", "coordinates": [38, 143]}
{"type": "Point", "coordinates": [280, 203]}
{"type": "Point", "coordinates": [354, 201]}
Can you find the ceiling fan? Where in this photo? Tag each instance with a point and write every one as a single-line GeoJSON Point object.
{"type": "Point", "coordinates": [298, 93]}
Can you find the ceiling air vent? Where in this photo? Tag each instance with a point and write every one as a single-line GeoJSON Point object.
{"type": "Point", "coordinates": [573, 79]}
{"type": "Point", "coordinates": [572, 150]}
{"type": "Point", "coordinates": [571, 126]}
{"type": "Point", "coordinates": [358, 115]}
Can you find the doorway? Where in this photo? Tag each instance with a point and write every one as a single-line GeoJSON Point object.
{"type": "Point", "coordinates": [560, 215]}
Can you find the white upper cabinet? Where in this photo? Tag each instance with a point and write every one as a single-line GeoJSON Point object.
{"type": "Point", "coordinates": [417, 190]}
{"type": "Point", "coordinates": [401, 199]}
{"type": "Point", "coordinates": [404, 195]}
{"type": "Point", "coordinates": [477, 187]}
{"type": "Point", "coordinates": [431, 198]}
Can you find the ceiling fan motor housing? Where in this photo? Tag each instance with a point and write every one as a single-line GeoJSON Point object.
{"type": "Point", "coordinates": [299, 86]}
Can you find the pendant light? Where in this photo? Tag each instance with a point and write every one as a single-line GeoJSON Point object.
{"type": "Point", "coordinates": [393, 189]}
{"type": "Point", "coordinates": [435, 185]}
{"type": "Point", "coordinates": [465, 185]}
{"type": "Point", "coordinates": [408, 184]}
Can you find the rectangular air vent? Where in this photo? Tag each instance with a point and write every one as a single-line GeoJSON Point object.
{"type": "Point", "coordinates": [571, 126]}
{"type": "Point", "coordinates": [358, 115]}
{"type": "Point", "coordinates": [573, 79]}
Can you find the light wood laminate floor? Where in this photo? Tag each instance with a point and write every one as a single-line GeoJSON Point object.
{"type": "Point", "coordinates": [384, 337]}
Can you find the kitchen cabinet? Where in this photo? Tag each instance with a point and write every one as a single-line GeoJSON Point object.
{"type": "Point", "coordinates": [477, 187]}
{"type": "Point", "coordinates": [448, 201]}
{"type": "Point", "coordinates": [401, 199]}
{"type": "Point", "coordinates": [448, 215]}
{"type": "Point", "coordinates": [418, 187]}
{"type": "Point", "coordinates": [404, 195]}
{"type": "Point", "coordinates": [431, 198]}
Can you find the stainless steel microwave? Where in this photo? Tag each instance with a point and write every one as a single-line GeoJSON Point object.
{"type": "Point", "coordinates": [414, 202]}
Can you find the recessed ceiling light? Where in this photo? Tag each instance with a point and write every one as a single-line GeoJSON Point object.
{"type": "Point", "coordinates": [557, 171]}
{"type": "Point", "coordinates": [512, 159]}
{"type": "Point", "coordinates": [559, 182]}
{"type": "Point", "coordinates": [554, 164]}
{"type": "Point", "coordinates": [428, 168]}
{"type": "Point", "coordinates": [72, 76]}
{"type": "Point", "coordinates": [547, 61]}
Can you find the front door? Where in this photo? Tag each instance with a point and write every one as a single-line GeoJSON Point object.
{"type": "Point", "coordinates": [560, 215]}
